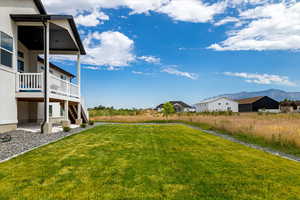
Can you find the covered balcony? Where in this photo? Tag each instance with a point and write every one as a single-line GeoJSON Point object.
{"type": "Point", "coordinates": [47, 35]}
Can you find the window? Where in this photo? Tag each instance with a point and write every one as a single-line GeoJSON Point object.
{"type": "Point", "coordinates": [50, 110]}
{"type": "Point", "coordinates": [20, 54]}
{"type": "Point", "coordinates": [20, 66]}
{"type": "Point", "coordinates": [51, 71]}
{"type": "Point", "coordinates": [62, 111]}
{"type": "Point", "coordinates": [63, 77]}
{"type": "Point", "coordinates": [227, 104]}
{"type": "Point", "coordinates": [219, 104]}
{"type": "Point", "coordinates": [6, 49]}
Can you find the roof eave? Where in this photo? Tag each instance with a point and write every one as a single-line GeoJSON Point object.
{"type": "Point", "coordinates": [44, 18]}
{"type": "Point", "coordinates": [40, 7]}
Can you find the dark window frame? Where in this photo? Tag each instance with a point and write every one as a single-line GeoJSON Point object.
{"type": "Point", "coordinates": [6, 50]}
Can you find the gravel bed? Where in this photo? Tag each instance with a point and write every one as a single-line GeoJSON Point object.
{"type": "Point", "coordinates": [23, 141]}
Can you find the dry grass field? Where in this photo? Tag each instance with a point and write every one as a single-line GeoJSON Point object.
{"type": "Point", "coordinates": [279, 128]}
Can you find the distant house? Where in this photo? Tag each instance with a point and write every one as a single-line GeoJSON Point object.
{"type": "Point", "coordinates": [255, 104]}
{"type": "Point", "coordinates": [290, 106]}
{"type": "Point", "coordinates": [179, 106]}
{"type": "Point", "coordinates": [217, 104]}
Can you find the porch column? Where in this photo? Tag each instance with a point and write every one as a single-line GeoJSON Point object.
{"type": "Point", "coordinates": [66, 122]}
{"type": "Point", "coordinates": [79, 120]}
{"type": "Point", "coordinates": [66, 110]}
{"type": "Point", "coordinates": [47, 126]}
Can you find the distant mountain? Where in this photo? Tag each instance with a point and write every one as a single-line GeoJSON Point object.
{"type": "Point", "coordinates": [278, 95]}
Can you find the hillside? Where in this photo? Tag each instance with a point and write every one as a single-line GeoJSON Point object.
{"type": "Point", "coordinates": [276, 94]}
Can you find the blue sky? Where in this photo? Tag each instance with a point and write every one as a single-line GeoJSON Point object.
{"type": "Point", "coordinates": [142, 54]}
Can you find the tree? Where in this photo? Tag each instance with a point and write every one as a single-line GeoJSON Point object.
{"type": "Point", "coordinates": [168, 109]}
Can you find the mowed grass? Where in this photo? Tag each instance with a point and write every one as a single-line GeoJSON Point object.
{"type": "Point", "coordinates": [148, 162]}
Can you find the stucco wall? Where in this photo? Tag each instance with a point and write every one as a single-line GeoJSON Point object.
{"type": "Point", "coordinates": [8, 105]}
{"type": "Point", "coordinates": [55, 111]}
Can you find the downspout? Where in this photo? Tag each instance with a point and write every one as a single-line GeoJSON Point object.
{"type": "Point", "coordinates": [45, 77]}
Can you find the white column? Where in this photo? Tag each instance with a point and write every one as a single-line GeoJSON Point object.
{"type": "Point", "coordinates": [47, 70]}
{"type": "Point", "coordinates": [79, 86]}
{"type": "Point", "coordinates": [66, 110]}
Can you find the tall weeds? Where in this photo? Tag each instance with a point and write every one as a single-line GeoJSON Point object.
{"type": "Point", "coordinates": [282, 129]}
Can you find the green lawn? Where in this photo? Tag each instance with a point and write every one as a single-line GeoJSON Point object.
{"type": "Point", "coordinates": [148, 162]}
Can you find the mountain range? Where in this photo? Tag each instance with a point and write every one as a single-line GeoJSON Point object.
{"type": "Point", "coordinates": [276, 94]}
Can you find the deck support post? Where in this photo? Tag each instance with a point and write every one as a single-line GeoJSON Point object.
{"type": "Point", "coordinates": [46, 126]}
{"type": "Point", "coordinates": [66, 122]}
{"type": "Point", "coordinates": [79, 120]}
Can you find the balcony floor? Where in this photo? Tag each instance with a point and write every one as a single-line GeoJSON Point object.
{"type": "Point", "coordinates": [38, 96]}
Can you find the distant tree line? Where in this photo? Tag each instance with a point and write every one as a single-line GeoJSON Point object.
{"type": "Point", "coordinates": [111, 111]}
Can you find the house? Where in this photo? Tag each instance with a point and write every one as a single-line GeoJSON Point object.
{"type": "Point", "coordinates": [217, 104]}
{"type": "Point", "coordinates": [254, 104]}
{"type": "Point", "coordinates": [289, 106]}
{"type": "Point", "coordinates": [32, 89]}
{"type": "Point", "coordinates": [179, 106]}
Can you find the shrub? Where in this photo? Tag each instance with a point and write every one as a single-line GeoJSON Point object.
{"type": "Point", "coordinates": [83, 125]}
{"type": "Point", "coordinates": [91, 122]}
{"type": "Point", "coordinates": [66, 129]}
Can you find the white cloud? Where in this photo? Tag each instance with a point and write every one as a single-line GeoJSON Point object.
{"type": "Point", "coordinates": [192, 10]}
{"type": "Point", "coordinates": [140, 73]}
{"type": "Point", "coordinates": [265, 79]}
{"type": "Point", "coordinates": [91, 68]}
{"type": "Point", "coordinates": [174, 71]}
{"type": "Point", "coordinates": [182, 10]}
{"type": "Point", "coordinates": [92, 19]}
{"type": "Point", "coordinates": [150, 59]}
{"type": "Point", "coordinates": [271, 27]}
{"type": "Point", "coordinates": [227, 20]}
{"type": "Point", "coordinates": [110, 49]}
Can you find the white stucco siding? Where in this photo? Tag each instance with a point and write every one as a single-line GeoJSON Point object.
{"type": "Point", "coordinates": [8, 105]}
{"type": "Point", "coordinates": [8, 7]}
{"type": "Point", "coordinates": [53, 72]}
{"type": "Point", "coordinates": [56, 110]}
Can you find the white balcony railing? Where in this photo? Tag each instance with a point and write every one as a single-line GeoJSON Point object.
{"type": "Point", "coordinates": [29, 82]}
{"type": "Point", "coordinates": [33, 82]}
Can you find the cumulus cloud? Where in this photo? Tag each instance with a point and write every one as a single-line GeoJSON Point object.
{"type": "Point", "coordinates": [270, 27]}
{"type": "Point", "coordinates": [265, 79]}
{"type": "Point", "coordinates": [94, 18]}
{"type": "Point", "coordinates": [150, 59]}
{"type": "Point", "coordinates": [192, 10]}
{"type": "Point", "coordinates": [110, 49]}
{"type": "Point", "coordinates": [181, 10]}
{"type": "Point", "coordinates": [174, 71]}
{"type": "Point", "coordinates": [226, 21]}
